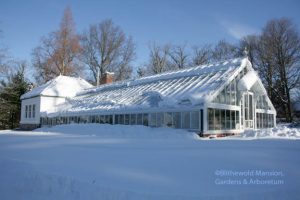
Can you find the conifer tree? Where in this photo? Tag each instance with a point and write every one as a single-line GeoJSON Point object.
{"type": "Point", "coordinates": [10, 103]}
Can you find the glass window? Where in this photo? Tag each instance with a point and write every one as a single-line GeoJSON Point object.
{"type": "Point", "coordinates": [106, 119]}
{"type": "Point", "coordinates": [121, 117]}
{"type": "Point", "coordinates": [168, 119]}
{"type": "Point", "coordinates": [126, 121]}
{"type": "Point", "coordinates": [223, 117]}
{"type": "Point", "coordinates": [133, 119]}
{"type": "Point", "coordinates": [211, 119]}
{"type": "Point", "coordinates": [33, 110]}
{"type": "Point", "coordinates": [177, 119]}
{"type": "Point", "coordinates": [250, 108]}
{"type": "Point", "coordinates": [117, 119]}
{"type": "Point", "coordinates": [159, 119]}
{"type": "Point", "coordinates": [145, 119]}
{"type": "Point", "coordinates": [257, 120]}
{"type": "Point", "coordinates": [265, 120]}
{"type": "Point", "coordinates": [195, 120]}
{"type": "Point", "coordinates": [232, 119]}
{"type": "Point", "coordinates": [152, 120]}
{"type": "Point", "coordinates": [92, 119]}
{"type": "Point", "coordinates": [29, 111]}
{"type": "Point", "coordinates": [222, 96]}
{"type": "Point", "coordinates": [139, 120]}
{"type": "Point", "coordinates": [228, 120]}
{"type": "Point", "coordinates": [110, 119]}
{"type": "Point", "coordinates": [233, 92]}
{"type": "Point", "coordinates": [102, 119]}
{"type": "Point", "coordinates": [217, 119]}
{"type": "Point", "coordinates": [26, 111]}
{"type": "Point", "coordinates": [186, 120]}
{"type": "Point", "coordinates": [237, 116]}
{"type": "Point", "coordinates": [227, 94]}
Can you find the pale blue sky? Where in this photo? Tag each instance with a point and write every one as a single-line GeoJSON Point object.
{"type": "Point", "coordinates": [195, 22]}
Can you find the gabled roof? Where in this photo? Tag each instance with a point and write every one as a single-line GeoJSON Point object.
{"type": "Point", "coordinates": [61, 86]}
{"type": "Point", "coordinates": [186, 87]}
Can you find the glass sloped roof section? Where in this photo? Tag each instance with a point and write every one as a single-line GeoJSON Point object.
{"type": "Point", "coordinates": [189, 87]}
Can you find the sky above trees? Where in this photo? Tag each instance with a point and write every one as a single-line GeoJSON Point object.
{"type": "Point", "coordinates": [194, 22]}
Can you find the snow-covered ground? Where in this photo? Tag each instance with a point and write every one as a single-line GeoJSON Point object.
{"type": "Point", "coordinates": [94, 161]}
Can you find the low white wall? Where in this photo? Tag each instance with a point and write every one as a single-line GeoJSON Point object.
{"type": "Point", "coordinates": [42, 104]}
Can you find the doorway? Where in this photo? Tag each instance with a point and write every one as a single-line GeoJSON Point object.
{"type": "Point", "coordinates": [248, 110]}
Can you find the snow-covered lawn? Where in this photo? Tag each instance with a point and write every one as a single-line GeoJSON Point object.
{"type": "Point", "coordinates": [133, 162]}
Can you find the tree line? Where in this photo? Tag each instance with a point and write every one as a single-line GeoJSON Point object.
{"type": "Point", "coordinates": [274, 53]}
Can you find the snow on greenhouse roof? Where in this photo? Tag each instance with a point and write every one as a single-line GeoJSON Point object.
{"type": "Point", "coordinates": [186, 87]}
{"type": "Point", "coordinates": [61, 86]}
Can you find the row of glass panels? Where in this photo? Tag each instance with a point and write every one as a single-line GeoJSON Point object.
{"type": "Point", "coordinates": [229, 94]}
{"type": "Point", "coordinates": [184, 120]}
{"type": "Point", "coordinates": [220, 119]}
{"type": "Point", "coordinates": [264, 120]}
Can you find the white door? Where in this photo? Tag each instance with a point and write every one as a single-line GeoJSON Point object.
{"type": "Point", "coordinates": [248, 110]}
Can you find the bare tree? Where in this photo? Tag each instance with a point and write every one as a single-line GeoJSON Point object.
{"type": "Point", "coordinates": [178, 56]}
{"type": "Point", "coordinates": [276, 56]}
{"type": "Point", "coordinates": [105, 47]}
{"type": "Point", "coordinates": [58, 52]}
{"type": "Point", "coordinates": [283, 42]}
{"type": "Point", "coordinates": [3, 58]}
{"type": "Point", "coordinates": [224, 51]}
{"type": "Point", "coordinates": [202, 55]}
{"type": "Point", "coordinates": [158, 62]}
{"type": "Point", "coordinates": [249, 43]}
{"type": "Point", "coordinates": [141, 72]}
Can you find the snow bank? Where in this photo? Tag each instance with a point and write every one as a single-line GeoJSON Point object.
{"type": "Point", "coordinates": [279, 132]}
{"type": "Point", "coordinates": [119, 131]}
{"type": "Point", "coordinates": [85, 161]}
{"type": "Point", "coordinates": [29, 133]}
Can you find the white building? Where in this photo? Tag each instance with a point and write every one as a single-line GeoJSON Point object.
{"type": "Point", "coordinates": [46, 97]}
{"type": "Point", "coordinates": [221, 98]}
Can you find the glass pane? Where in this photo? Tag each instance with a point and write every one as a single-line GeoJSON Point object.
{"type": "Point", "coordinates": [145, 119]}
{"type": "Point", "coordinates": [186, 120]}
{"type": "Point", "coordinates": [159, 119]}
{"type": "Point", "coordinates": [121, 119]}
{"type": "Point", "coordinates": [223, 119]}
{"type": "Point", "coordinates": [211, 119]}
{"type": "Point", "coordinates": [195, 120]}
{"type": "Point", "coordinates": [257, 120]}
{"type": "Point", "coordinates": [232, 119]}
{"type": "Point", "coordinates": [133, 119]}
{"type": "Point", "coordinates": [177, 119]}
{"type": "Point", "coordinates": [110, 119]}
{"type": "Point", "coordinates": [117, 119]}
{"type": "Point", "coordinates": [126, 121]}
{"type": "Point", "coordinates": [139, 119]}
{"type": "Point", "coordinates": [222, 96]}
{"type": "Point", "coordinates": [228, 94]}
{"type": "Point", "coordinates": [152, 119]}
{"type": "Point", "coordinates": [168, 120]}
{"type": "Point", "coordinates": [227, 119]}
{"type": "Point", "coordinates": [102, 119]}
{"type": "Point", "coordinates": [250, 108]}
{"type": "Point", "coordinates": [265, 121]}
{"type": "Point", "coordinates": [217, 120]}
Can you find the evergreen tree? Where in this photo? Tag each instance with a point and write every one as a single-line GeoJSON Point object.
{"type": "Point", "coordinates": [10, 103]}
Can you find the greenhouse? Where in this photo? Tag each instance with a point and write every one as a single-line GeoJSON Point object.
{"type": "Point", "coordinates": [220, 98]}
